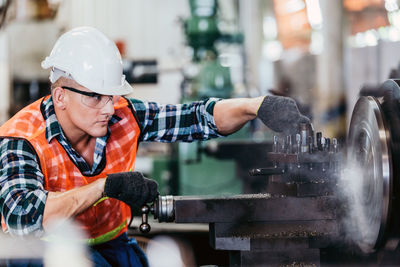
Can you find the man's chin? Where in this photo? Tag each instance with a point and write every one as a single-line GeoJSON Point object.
{"type": "Point", "coordinates": [98, 132]}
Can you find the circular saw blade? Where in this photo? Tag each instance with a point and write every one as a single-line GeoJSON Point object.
{"type": "Point", "coordinates": [369, 152]}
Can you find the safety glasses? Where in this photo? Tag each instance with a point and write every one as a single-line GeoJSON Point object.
{"type": "Point", "coordinates": [93, 100]}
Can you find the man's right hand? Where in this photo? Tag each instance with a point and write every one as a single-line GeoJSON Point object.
{"type": "Point", "coordinates": [132, 188]}
{"type": "Point", "coordinates": [281, 114]}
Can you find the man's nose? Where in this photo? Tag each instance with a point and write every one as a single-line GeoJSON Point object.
{"type": "Point", "coordinates": [109, 108]}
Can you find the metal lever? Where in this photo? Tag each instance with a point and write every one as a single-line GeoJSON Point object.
{"type": "Point", "coordinates": [145, 226]}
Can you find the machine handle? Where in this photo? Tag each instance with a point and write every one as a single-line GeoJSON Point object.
{"type": "Point", "coordinates": [145, 226]}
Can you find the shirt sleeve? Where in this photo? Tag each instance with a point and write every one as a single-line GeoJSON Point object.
{"type": "Point", "coordinates": [182, 122]}
{"type": "Point", "coordinates": [22, 194]}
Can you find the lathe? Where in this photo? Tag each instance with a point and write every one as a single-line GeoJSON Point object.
{"type": "Point", "coordinates": [307, 212]}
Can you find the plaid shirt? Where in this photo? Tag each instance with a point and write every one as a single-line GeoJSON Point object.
{"type": "Point", "coordinates": [22, 194]}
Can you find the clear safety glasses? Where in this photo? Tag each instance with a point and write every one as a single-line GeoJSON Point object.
{"type": "Point", "coordinates": [93, 100]}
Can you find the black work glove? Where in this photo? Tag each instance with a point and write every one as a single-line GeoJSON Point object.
{"type": "Point", "coordinates": [281, 114]}
{"type": "Point", "coordinates": [132, 188]}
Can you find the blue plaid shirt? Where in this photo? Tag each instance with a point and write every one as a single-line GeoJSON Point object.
{"type": "Point", "coordinates": [22, 194]}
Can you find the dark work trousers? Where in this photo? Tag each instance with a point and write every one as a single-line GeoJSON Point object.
{"type": "Point", "coordinates": [121, 251]}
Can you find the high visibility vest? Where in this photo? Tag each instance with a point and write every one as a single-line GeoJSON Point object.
{"type": "Point", "coordinates": [108, 218]}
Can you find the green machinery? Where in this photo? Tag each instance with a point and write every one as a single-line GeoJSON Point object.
{"type": "Point", "coordinates": [202, 34]}
{"type": "Point", "coordinates": [202, 29]}
{"type": "Point", "coordinates": [213, 80]}
{"type": "Point", "coordinates": [188, 170]}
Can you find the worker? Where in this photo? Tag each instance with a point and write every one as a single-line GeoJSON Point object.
{"type": "Point", "coordinates": [72, 154]}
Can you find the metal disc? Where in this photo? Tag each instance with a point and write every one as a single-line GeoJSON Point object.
{"type": "Point", "coordinates": [369, 153]}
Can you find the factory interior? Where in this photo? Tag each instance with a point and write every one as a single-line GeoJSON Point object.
{"type": "Point", "coordinates": [327, 195]}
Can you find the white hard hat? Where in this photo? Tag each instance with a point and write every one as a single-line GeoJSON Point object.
{"type": "Point", "coordinates": [91, 59]}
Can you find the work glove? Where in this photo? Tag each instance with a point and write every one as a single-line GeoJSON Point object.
{"type": "Point", "coordinates": [132, 188]}
{"type": "Point", "coordinates": [281, 114]}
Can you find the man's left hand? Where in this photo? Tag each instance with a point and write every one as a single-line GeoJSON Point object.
{"type": "Point", "coordinates": [132, 188]}
{"type": "Point", "coordinates": [281, 114]}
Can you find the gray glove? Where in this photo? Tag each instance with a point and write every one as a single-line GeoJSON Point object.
{"type": "Point", "coordinates": [132, 188]}
{"type": "Point", "coordinates": [281, 114]}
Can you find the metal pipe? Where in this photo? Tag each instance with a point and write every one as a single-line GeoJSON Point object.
{"type": "Point", "coordinates": [163, 209]}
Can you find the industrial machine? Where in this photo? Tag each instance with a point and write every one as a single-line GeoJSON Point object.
{"type": "Point", "coordinates": [290, 221]}
{"type": "Point", "coordinates": [304, 215]}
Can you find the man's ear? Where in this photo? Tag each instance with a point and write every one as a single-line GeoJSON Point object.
{"type": "Point", "coordinates": [59, 98]}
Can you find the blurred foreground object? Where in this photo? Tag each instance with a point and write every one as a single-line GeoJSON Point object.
{"type": "Point", "coordinates": [63, 245]}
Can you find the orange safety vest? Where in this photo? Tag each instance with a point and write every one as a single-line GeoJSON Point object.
{"type": "Point", "coordinates": [108, 218]}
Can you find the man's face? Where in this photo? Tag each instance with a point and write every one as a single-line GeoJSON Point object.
{"type": "Point", "coordinates": [89, 113]}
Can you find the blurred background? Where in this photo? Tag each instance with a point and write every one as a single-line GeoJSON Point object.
{"type": "Point", "coordinates": [320, 52]}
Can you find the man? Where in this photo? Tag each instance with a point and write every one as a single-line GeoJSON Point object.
{"type": "Point", "coordinates": [72, 154]}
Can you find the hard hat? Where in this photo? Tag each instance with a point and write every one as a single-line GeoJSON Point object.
{"type": "Point", "coordinates": [91, 59]}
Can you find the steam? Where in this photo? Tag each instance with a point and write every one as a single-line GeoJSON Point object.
{"type": "Point", "coordinates": [362, 214]}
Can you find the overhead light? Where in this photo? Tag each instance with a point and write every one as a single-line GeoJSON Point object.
{"type": "Point", "coordinates": [359, 40]}
{"type": "Point", "coordinates": [269, 28]}
{"type": "Point", "coordinates": [394, 18]}
{"type": "Point", "coordinates": [314, 14]}
{"type": "Point", "coordinates": [394, 34]}
{"type": "Point", "coordinates": [371, 38]}
{"type": "Point", "coordinates": [272, 50]}
{"type": "Point", "coordinates": [317, 43]}
{"type": "Point", "coordinates": [391, 5]}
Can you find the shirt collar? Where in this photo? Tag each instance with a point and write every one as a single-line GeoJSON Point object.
{"type": "Point", "coordinates": [53, 128]}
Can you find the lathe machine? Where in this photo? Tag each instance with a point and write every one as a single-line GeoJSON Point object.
{"type": "Point", "coordinates": [308, 214]}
